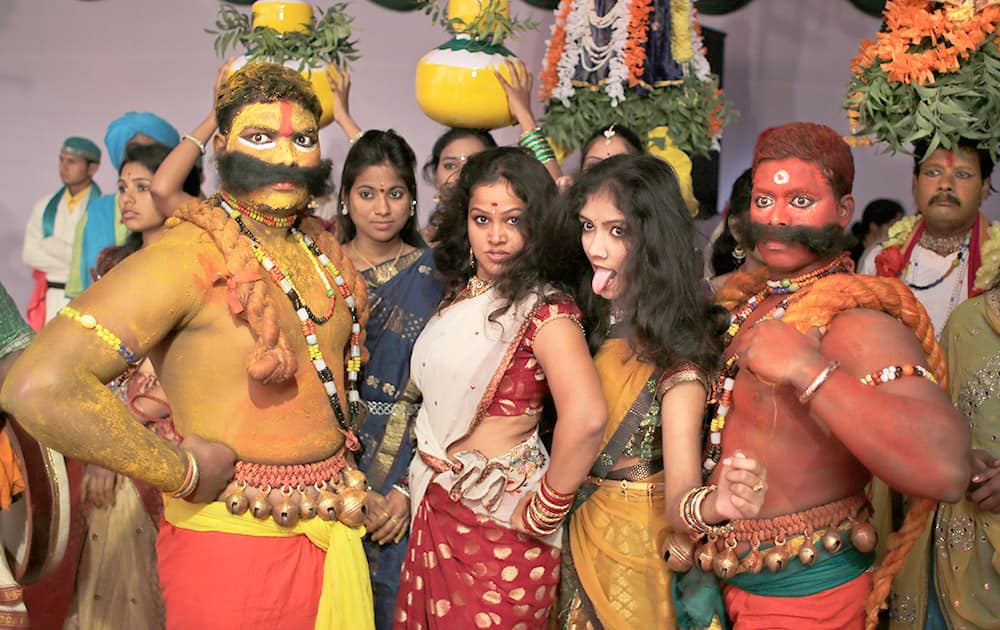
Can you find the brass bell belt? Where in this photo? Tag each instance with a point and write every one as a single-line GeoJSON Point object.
{"type": "Point", "coordinates": [327, 489]}
{"type": "Point", "coordinates": [805, 522]}
{"type": "Point", "coordinates": [785, 537]}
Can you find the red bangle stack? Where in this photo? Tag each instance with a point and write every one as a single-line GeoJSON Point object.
{"type": "Point", "coordinates": [546, 509]}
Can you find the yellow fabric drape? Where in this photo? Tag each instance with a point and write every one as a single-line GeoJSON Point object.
{"type": "Point", "coordinates": [616, 536]}
{"type": "Point", "coordinates": [346, 599]}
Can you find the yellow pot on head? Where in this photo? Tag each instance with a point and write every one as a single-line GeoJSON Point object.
{"type": "Point", "coordinates": [316, 77]}
{"type": "Point", "coordinates": [283, 15]}
{"type": "Point", "coordinates": [456, 85]}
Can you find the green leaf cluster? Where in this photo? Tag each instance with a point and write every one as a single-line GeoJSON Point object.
{"type": "Point", "coordinates": [491, 26]}
{"type": "Point", "coordinates": [328, 40]}
{"type": "Point", "coordinates": [960, 104]}
{"type": "Point", "coordinates": [683, 108]}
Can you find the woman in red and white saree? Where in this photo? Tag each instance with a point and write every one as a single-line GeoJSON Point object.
{"type": "Point", "coordinates": [488, 499]}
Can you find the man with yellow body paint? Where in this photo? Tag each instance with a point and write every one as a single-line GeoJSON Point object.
{"type": "Point", "coordinates": [250, 314]}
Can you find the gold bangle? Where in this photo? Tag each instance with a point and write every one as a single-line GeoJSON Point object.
{"type": "Point", "coordinates": [191, 477]}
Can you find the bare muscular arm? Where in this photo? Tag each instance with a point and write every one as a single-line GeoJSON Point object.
{"type": "Point", "coordinates": [57, 390]}
{"type": "Point", "coordinates": [904, 431]}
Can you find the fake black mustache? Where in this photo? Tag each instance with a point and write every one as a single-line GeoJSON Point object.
{"type": "Point", "coordinates": [825, 241]}
{"type": "Point", "coordinates": [241, 173]}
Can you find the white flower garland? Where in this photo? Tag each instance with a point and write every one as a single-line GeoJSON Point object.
{"type": "Point", "coordinates": [699, 62]}
{"type": "Point", "coordinates": [581, 50]}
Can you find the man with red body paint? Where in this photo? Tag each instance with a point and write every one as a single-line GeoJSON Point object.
{"type": "Point", "coordinates": [792, 396]}
{"type": "Point", "coordinates": [250, 314]}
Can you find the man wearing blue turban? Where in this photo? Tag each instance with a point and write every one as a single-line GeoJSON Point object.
{"type": "Point", "coordinates": [102, 226]}
{"type": "Point", "coordinates": [52, 227]}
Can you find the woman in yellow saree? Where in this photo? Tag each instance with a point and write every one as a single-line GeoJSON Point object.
{"type": "Point", "coordinates": [656, 337]}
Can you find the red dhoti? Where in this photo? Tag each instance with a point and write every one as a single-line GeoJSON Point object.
{"type": "Point", "coordinates": [838, 608]}
{"type": "Point", "coordinates": [463, 570]}
{"type": "Point", "coordinates": [219, 580]}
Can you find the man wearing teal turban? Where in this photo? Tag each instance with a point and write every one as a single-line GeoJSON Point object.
{"type": "Point", "coordinates": [102, 226]}
{"type": "Point", "coordinates": [51, 229]}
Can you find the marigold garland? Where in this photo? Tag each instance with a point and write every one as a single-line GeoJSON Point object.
{"type": "Point", "coordinates": [638, 34]}
{"type": "Point", "coordinates": [549, 76]}
{"type": "Point", "coordinates": [931, 75]}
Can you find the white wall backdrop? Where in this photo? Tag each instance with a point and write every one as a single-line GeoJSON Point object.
{"type": "Point", "coordinates": [69, 67]}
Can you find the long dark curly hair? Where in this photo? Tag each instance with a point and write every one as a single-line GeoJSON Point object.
{"type": "Point", "coordinates": [373, 148]}
{"type": "Point", "coordinates": [525, 271]}
{"type": "Point", "coordinates": [667, 315]}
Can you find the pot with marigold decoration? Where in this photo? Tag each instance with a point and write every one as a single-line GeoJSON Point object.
{"type": "Point", "coordinates": [287, 32]}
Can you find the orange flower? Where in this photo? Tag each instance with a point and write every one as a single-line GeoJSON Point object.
{"type": "Point", "coordinates": [923, 39]}
{"type": "Point", "coordinates": [549, 76]}
{"type": "Point", "coordinates": [638, 30]}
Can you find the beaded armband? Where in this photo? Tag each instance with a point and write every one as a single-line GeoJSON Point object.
{"type": "Point", "coordinates": [893, 372]}
{"type": "Point", "coordinates": [690, 510]}
{"type": "Point", "coordinates": [535, 142]}
{"type": "Point", "coordinates": [90, 322]}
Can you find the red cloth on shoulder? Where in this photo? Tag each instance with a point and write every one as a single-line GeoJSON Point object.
{"type": "Point", "coordinates": [523, 387]}
{"type": "Point", "coordinates": [229, 581]}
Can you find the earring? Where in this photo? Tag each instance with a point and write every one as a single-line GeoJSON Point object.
{"type": "Point", "coordinates": [343, 208]}
{"type": "Point", "coordinates": [472, 260]}
{"type": "Point", "coordinates": [739, 254]}
{"type": "Point", "coordinates": [413, 207]}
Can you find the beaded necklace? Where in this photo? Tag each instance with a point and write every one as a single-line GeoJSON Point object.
{"type": "Point", "coordinates": [959, 259]}
{"type": "Point", "coordinates": [267, 219]}
{"type": "Point", "coordinates": [722, 389]}
{"type": "Point", "coordinates": [280, 277]}
{"type": "Point", "coordinates": [324, 267]}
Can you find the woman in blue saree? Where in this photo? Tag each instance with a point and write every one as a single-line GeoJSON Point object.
{"type": "Point", "coordinates": [378, 226]}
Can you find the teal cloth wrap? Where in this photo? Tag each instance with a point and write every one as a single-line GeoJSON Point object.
{"type": "Point", "coordinates": [52, 207]}
{"type": "Point", "coordinates": [798, 580]}
{"type": "Point", "coordinates": [697, 599]}
{"type": "Point", "coordinates": [82, 147]}
{"type": "Point", "coordinates": [123, 129]}
{"type": "Point", "coordinates": [697, 595]}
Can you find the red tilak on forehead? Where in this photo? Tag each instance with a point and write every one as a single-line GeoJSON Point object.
{"type": "Point", "coordinates": [494, 204]}
{"type": "Point", "coordinates": [949, 159]}
{"type": "Point", "coordinates": [286, 119]}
